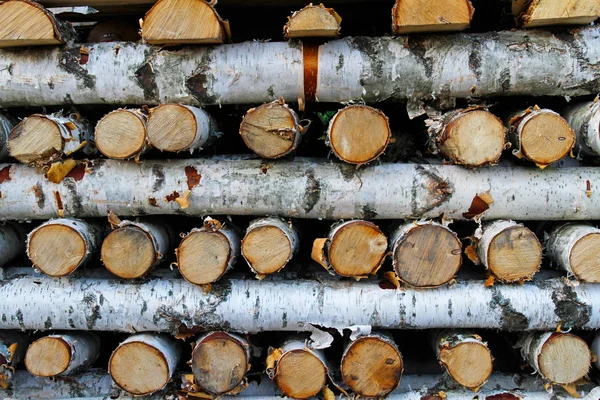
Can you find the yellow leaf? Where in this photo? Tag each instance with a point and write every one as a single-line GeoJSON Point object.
{"type": "Point", "coordinates": [58, 170]}
{"type": "Point", "coordinates": [489, 281]}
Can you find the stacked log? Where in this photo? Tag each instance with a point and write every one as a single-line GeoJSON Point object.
{"type": "Point", "coordinates": [410, 16]}
{"type": "Point", "coordinates": [61, 354]}
{"type": "Point", "coordinates": [574, 248]}
{"type": "Point", "coordinates": [121, 134]}
{"type": "Point", "coordinates": [313, 21]}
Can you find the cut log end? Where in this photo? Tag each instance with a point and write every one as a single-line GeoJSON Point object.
{"type": "Point", "coordinates": [313, 21]}
{"type": "Point", "coordinates": [139, 368]}
{"type": "Point", "coordinates": [219, 363]}
{"type": "Point", "coordinates": [36, 139]}
{"type": "Point", "coordinates": [473, 138]}
{"type": "Point", "coordinates": [372, 367]}
{"type": "Point", "coordinates": [359, 134]}
{"type": "Point", "coordinates": [556, 12]}
{"type": "Point", "coordinates": [183, 22]}
{"type": "Point", "coordinates": [171, 127]}
{"type": "Point", "coordinates": [300, 374]}
{"type": "Point", "coordinates": [128, 252]}
{"type": "Point", "coordinates": [564, 359]}
{"type": "Point", "coordinates": [427, 255]}
{"type": "Point", "coordinates": [267, 249]}
{"type": "Point", "coordinates": [514, 254]}
{"type": "Point", "coordinates": [121, 134]}
{"type": "Point", "coordinates": [48, 357]}
{"type": "Point", "coordinates": [203, 257]}
{"type": "Point", "coordinates": [546, 137]}
{"type": "Point", "coordinates": [357, 248]}
{"type": "Point", "coordinates": [584, 258]}
{"type": "Point", "coordinates": [25, 23]}
{"type": "Point", "coordinates": [270, 130]}
{"type": "Point", "coordinates": [56, 250]}
{"type": "Point", "coordinates": [411, 16]}
{"type": "Point", "coordinates": [468, 363]}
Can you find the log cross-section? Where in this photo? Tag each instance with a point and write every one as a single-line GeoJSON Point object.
{"type": "Point", "coordinates": [410, 16]}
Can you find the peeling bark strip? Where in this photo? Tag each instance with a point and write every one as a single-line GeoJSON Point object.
{"type": "Point", "coordinates": [302, 188]}
{"type": "Point", "coordinates": [62, 355]}
{"type": "Point", "coordinates": [162, 305]}
{"type": "Point", "coordinates": [374, 69]}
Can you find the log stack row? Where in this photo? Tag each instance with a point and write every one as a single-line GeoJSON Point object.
{"type": "Point", "coordinates": [350, 208]}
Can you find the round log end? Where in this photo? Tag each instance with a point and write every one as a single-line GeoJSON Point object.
{"type": "Point", "coordinates": [48, 356]}
{"type": "Point", "coordinates": [584, 258]}
{"type": "Point", "coordinates": [357, 248]}
{"type": "Point", "coordinates": [473, 138]}
{"type": "Point", "coordinates": [120, 134]}
{"type": "Point", "coordinates": [468, 363]}
{"type": "Point", "coordinates": [300, 374]}
{"type": "Point", "coordinates": [24, 23]}
{"type": "Point", "coordinates": [372, 367]}
{"type": "Point", "coordinates": [514, 254]}
{"type": "Point", "coordinates": [56, 249]}
{"type": "Point", "coordinates": [171, 127]}
{"type": "Point", "coordinates": [128, 252]}
{"type": "Point", "coordinates": [428, 255]}
{"type": "Point", "coordinates": [139, 368]}
{"type": "Point", "coordinates": [36, 139]}
{"type": "Point", "coordinates": [564, 358]}
{"type": "Point", "coordinates": [313, 21]}
{"type": "Point", "coordinates": [219, 363]}
{"type": "Point", "coordinates": [546, 138]}
{"type": "Point", "coordinates": [359, 134]}
{"type": "Point", "coordinates": [267, 249]}
{"type": "Point", "coordinates": [270, 130]}
{"type": "Point", "coordinates": [203, 257]}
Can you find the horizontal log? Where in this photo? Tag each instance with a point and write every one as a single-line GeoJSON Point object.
{"type": "Point", "coordinates": [171, 305]}
{"type": "Point", "coordinates": [301, 188]}
{"type": "Point", "coordinates": [486, 64]}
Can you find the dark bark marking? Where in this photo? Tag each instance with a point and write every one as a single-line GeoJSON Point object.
{"type": "Point", "coordinates": [505, 80]}
{"type": "Point", "coordinates": [193, 177]}
{"type": "Point", "coordinates": [340, 64]}
{"type": "Point", "coordinates": [48, 323]}
{"type": "Point", "coordinates": [419, 48]}
{"type": "Point", "coordinates": [39, 195]}
{"type": "Point", "coordinates": [59, 203]}
{"type": "Point", "coordinates": [94, 313]}
{"type": "Point", "coordinates": [146, 79]}
{"type": "Point", "coordinates": [511, 319]}
{"type": "Point", "coordinates": [152, 201]}
{"type": "Point", "coordinates": [199, 82]}
{"type": "Point", "coordinates": [437, 191]}
{"type": "Point", "coordinates": [502, 396]}
{"type": "Point", "coordinates": [368, 212]}
{"type": "Point", "coordinates": [572, 312]}
{"type": "Point", "coordinates": [312, 192]}
{"type": "Point", "coordinates": [159, 174]}
{"type": "Point", "coordinates": [69, 61]}
{"type": "Point", "coordinates": [76, 205]}
{"type": "Point", "coordinates": [475, 59]}
{"type": "Point", "coordinates": [171, 197]}
{"type": "Point", "coordinates": [19, 315]}
{"type": "Point", "coordinates": [5, 174]}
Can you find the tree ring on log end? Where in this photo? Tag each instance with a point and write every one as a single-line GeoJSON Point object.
{"type": "Point", "coordinates": [267, 249]}
{"type": "Point", "coordinates": [203, 257]}
{"type": "Point", "coordinates": [56, 250]}
{"type": "Point", "coordinates": [121, 134]}
{"type": "Point", "coordinates": [546, 137]}
{"type": "Point", "coordinates": [300, 374]}
{"type": "Point", "coordinates": [35, 139]}
{"type": "Point", "coordinates": [428, 255]}
{"type": "Point", "coordinates": [514, 254]}
{"type": "Point", "coordinates": [26, 23]}
{"type": "Point", "coordinates": [584, 258]}
{"type": "Point", "coordinates": [128, 252]}
{"type": "Point", "coordinates": [171, 127]}
{"type": "Point", "coordinates": [564, 358]}
{"type": "Point", "coordinates": [48, 357]}
{"type": "Point", "coordinates": [372, 366]}
{"type": "Point", "coordinates": [468, 363]}
{"type": "Point", "coordinates": [139, 368]}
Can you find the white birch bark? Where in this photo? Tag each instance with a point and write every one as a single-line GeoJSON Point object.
{"type": "Point", "coordinates": [84, 348]}
{"type": "Point", "coordinates": [584, 118]}
{"type": "Point", "coordinates": [6, 125]}
{"type": "Point", "coordinates": [485, 237]}
{"type": "Point", "coordinates": [303, 188]}
{"type": "Point", "coordinates": [12, 242]}
{"type": "Point", "coordinates": [374, 69]}
{"type": "Point", "coordinates": [562, 241]}
{"type": "Point", "coordinates": [206, 129]}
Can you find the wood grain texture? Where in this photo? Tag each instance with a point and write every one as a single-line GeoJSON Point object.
{"type": "Point", "coordinates": [538, 13]}
{"type": "Point", "coordinates": [410, 16]}
{"type": "Point", "coordinates": [121, 134]}
{"type": "Point", "coordinates": [203, 256]}
{"type": "Point", "coordinates": [585, 258]}
{"type": "Point", "coordinates": [56, 250]}
{"type": "Point", "coordinates": [564, 358]}
{"type": "Point", "coordinates": [139, 368]}
{"type": "Point", "coordinates": [267, 249]}
{"type": "Point", "coordinates": [514, 255]}
{"type": "Point", "coordinates": [35, 139]}
{"type": "Point", "coordinates": [48, 356]}
{"type": "Point", "coordinates": [468, 363]}
{"type": "Point", "coordinates": [128, 252]}
{"type": "Point", "coordinates": [171, 127]}
{"type": "Point", "coordinates": [300, 374]}
{"type": "Point", "coordinates": [313, 21]}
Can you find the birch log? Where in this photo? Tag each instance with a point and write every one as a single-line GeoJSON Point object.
{"type": "Point", "coordinates": [411, 16]}
{"type": "Point", "coordinates": [358, 134]}
{"type": "Point", "coordinates": [269, 244]}
{"type": "Point", "coordinates": [425, 254]}
{"type": "Point", "coordinates": [472, 137]}
{"type": "Point", "coordinates": [584, 118]}
{"type": "Point", "coordinates": [299, 371]}
{"type": "Point", "coordinates": [144, 363]}
{"type": "Point", "coordinates": [207, 253]}
{"type": "Point", "coordinates": [561, 358]}
{"type": "Point", "coordinates": [12, 242]}
{"type": "Point", "coordinates": [135, 247]}
{"type": "Point", "coordinates": [184, 22]}
{"type": "Point", "coordinates": [59, 246]}
{"type": "Point", "coordinates": [272, 130]}
{"type": "Point", "coordinates": [301, 188]}
{"type": "Point", "coordinates": [541, 136]}
{"type": "Point", "coordinates": [533, 14]}
{"type": "Point", "coordinates": [313, 21]}
{"type": "Point", "coordinates": [40, 139]}
{"type": "Point", "coordinates": [353, 248]}
{"type": "Point", "coordinates": [62, 354]}
{"type": "Point", "coordinates": [372, 365]}
{"type": "Point", "coordinates": [465, 356]}
{"type": "Point", "coordinates": [122, 134]}
{"type": "Point", "coordinates": [6, 125]}
{"type": "Point", "coordinates": [177, 127]}
{"type": "Point", "coordinates": [220, 361]}
{"type": "Point", "coordinates": [575, 248]}
{"type": "Point", "coordinates": [26, 23]}
{"type": "Point", "coordinates": [509, 251]}
{"type": "Point", "coordinates": [485, 65]}
{"type": "Point", "coordinates": [12, 351]}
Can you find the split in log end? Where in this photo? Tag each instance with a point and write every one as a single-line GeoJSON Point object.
{"type": "Point", "coordinates": [36, 139]}
{"type": "Point", "coordinates": [128, 252]}
{"type": "Point", "coordinates": [584, 258]}
{"type": "Point", "coordinates": [514, 254]}
{"type": "Point", "coordinates": [56, 249]}
{"type": "Point", "coordinates": [47, 357]}
{"type": "Point", "coordinates": [564, 358]}
{"type": "Point", "coordinates": [203, 256]}
{"type": "Point", "coordinates": [300, 374]}
{"type": "Point", "coordinates": [412, 16]}
{"type": "Point", "coordinates": [121, 134]}
{"type": "Point", "coordinates": [267, 249]}
{"type": "Point", "coordinates": [313, 21]}
{"type": "Point", "coordinates": [468, 363]}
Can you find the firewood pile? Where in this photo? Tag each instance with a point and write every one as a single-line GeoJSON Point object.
{"type": "Point", "coordinates": [262, 198]}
